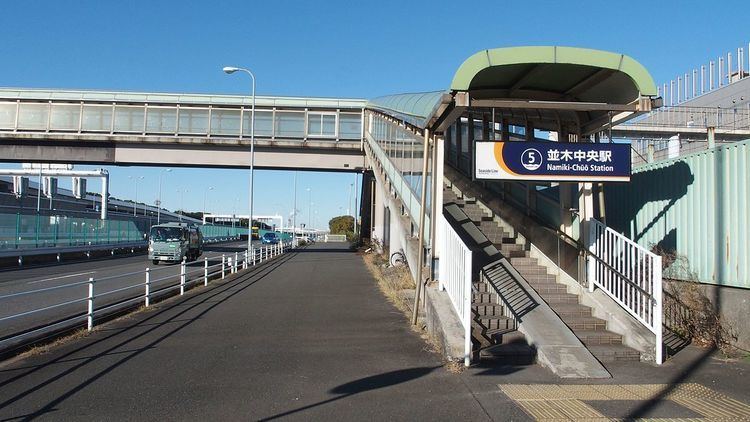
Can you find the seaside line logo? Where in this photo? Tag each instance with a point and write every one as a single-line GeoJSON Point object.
{"type": "Point", "coordinates": [531, 159]}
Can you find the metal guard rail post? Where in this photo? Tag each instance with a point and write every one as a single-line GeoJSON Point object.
{"type": "Point", "coordinates": [144, 280]}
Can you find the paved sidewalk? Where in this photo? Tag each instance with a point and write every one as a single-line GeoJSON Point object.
{"type": "Point", "coordinates": [310, 337]}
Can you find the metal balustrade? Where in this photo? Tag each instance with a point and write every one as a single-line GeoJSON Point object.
{"type": "Point", "coordinates": [88, 112]}
{"type": "Point", "coordinates": [629, 274]}
{"type": "Point", "coordinates": [455, 278]}
{"type": "Point", "coordinates": [85, 302]}
{"type": "Point", "coordinates": [698, 118]}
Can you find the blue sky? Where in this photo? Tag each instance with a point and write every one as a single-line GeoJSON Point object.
{"type": "Point", "coordinates": [335, 48]}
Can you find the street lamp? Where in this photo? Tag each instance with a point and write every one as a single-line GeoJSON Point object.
{"type": "Point", "coordinates": [135, 204]}
{"type": "Point", "coordinates": [229, 70]}
{"type": "Point", "coordinates": [158, 209]}
{"type": "Point", "coordinates": [205, 193]}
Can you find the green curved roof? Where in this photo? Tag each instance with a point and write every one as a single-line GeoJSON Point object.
{"type": "Point", "coordinates": [568, 66]}
{"type": "Point", "coordinates": [414, 108]}
{"type": "Point", "coordinates": [539, 73]}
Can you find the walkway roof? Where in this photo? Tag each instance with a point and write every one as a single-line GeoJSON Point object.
{"type": "Point", "coordinates": [564, 77]}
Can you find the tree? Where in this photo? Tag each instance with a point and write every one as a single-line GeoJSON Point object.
{"type": "Point", "coordinates": [343, 224]}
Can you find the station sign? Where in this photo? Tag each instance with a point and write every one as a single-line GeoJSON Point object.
{"type": "Point", "coordinates": [552, 161]}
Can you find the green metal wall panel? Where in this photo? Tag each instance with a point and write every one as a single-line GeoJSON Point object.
{"type": "Point", "coordinates": [697, 205]}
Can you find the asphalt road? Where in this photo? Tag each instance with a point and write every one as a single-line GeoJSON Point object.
{"type": "Point", "coordinates": [306, 337]}
{"type": "Point", "coordinates": [75, 274]}
{"type": "Point", "coordinates": [310, 337]}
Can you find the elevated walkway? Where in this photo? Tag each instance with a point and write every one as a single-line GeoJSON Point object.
{"type": "Point", "coordinates": [127, 128]}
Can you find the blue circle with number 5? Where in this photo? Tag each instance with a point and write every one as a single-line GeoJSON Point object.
{"type": "Point", "coordinates": [531, 159]}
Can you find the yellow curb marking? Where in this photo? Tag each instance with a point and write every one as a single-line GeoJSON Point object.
{"type": "Point", "coordinates": [552, 402]}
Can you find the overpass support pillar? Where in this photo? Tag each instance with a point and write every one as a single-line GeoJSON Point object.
{"type": "Point", "coordinates": [105, 195]}
{"type": "Point", "coordinates": [365, 205]}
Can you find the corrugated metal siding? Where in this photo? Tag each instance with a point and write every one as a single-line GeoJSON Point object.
{"type": "Point", "coordinates": [698, 205]}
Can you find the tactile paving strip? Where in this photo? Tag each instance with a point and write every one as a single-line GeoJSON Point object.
{"type": "Point", "coordinates": [550, 402]}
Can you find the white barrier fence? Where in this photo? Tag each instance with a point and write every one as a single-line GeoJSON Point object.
{"type": "Point", "coordinates": [629, 274]}
{"type": "Point", "coordinates": [335, 238]}
{"type": "Point", "coordinates": [66, 306]}
{"type": "Point", "coordinates": [455, 278]}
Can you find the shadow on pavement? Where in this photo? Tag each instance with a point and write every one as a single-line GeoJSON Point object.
{"type": "Point", "coordinates": [205, 296]}
{"type": "Point", "coordinates": [362, 385]}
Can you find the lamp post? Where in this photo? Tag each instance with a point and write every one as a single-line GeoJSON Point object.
{"type": "Point", "coordinates": [229, 70]}
{"type": "Point", "coordinates": [135, 203]}
{"type": "Point", "coordinates": [158, 205]}
{"type": "Point", "coordinates": [205, 193]}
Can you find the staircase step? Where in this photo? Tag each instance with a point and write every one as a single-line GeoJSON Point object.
{"type": "Point", "coordinates": [483, 287]}
{"type": "Point", "coordinates": [495, 322]}
{"type": "Point", "coordinates": [597, 337]}
{"type": "Point", "coordinates": [572, 310]}
{"type": "Point", "coordinates": [487, 309]}
{"type": "Point", "coordinates": [549, 288]}
{"type": "Point", "coordinates": [559, 298]}
{"type": "Point", "coordinates": [585, 323]}
{"type": "Point", "coordinates": [484, 297]}
{"type": "Point", "coordinates": [510, 353]}
{"type": "Point", "coordinates": [535, 279]}
{"type": "Point", "coordinates": [531, 269]}
{"type": "Point", "coordinates": [615, 353]}
{"type": "Point", "coordinates": [524, 261]}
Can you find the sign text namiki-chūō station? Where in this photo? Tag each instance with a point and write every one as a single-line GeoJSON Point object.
{"type": "Point", "coordinates": [552, 161]}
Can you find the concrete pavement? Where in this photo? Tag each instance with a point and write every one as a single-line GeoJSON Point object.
{"type": "Point", "coordinates": [306, 337]}
{"type": "Point", "coordinates": [310, 337]}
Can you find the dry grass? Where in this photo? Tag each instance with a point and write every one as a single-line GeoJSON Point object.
{"type": "Point", "coordinates": [697, 319]}
{"type": "Point", "coordinates": [394, 282]}
{"type": "Point", "coordinates": [398, 287]}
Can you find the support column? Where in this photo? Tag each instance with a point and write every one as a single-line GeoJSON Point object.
{"type": "Point", "coordinates": [711, 137]}
{"type": "Point", "coordinates": [105, 196]}
{"type": "Point", "coordinates": [366, 205]}
{"type": "Point", "coordinates": [420, 248]}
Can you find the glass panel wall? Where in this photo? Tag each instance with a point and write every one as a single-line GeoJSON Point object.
{"type": "Point", "coordinates": [97, 118]}
{"type": "Point", "coordinates": [193, 120]}
{"type": "Point", "coordinates": [65, 116]}
{"type": "Point", "coordinates": [161, 120]}
{"type": "Point", "coordinates": [401, 152]}
{"type": "Point", "coordinates": [263, 123]}
{"type": "Point", "coordinates": [171, 119]}
{"type": "Point", "coordinates": [129, 119]}
{"type": "Point", "coordinates": [226, 122]}
{"type": "Point", "coordinates": [290, 124]}
{"type": "Point", "coordinates": [33, 116]}
{"type": "Point", "coordinates": [7, 115]}
{"type": "Point", "coordinates": [350, 126]}
{"type": "Point", "coordinates": [321, 124]}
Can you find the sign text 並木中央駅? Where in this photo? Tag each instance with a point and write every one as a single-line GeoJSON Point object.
{"type": "Point", "coordinates": [552, 161]}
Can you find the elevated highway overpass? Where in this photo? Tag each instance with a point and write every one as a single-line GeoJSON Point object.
{"type": "Point", "coordinates": [125, 128]}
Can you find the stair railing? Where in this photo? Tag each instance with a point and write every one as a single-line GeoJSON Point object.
{"type": "Point", "coordinates": [455, 273]}
{"type": "Point", "coordinates": [630, 274]}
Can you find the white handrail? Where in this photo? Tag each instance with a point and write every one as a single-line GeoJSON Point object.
{"type": "Point", "coordinates": [629, 274]}
{"type": "Point", "coordinates": [455, 278]}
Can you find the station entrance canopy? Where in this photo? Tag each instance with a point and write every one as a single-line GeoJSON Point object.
{"type": "Point", "coordinates": [569, 90]}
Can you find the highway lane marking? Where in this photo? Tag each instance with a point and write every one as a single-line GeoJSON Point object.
{"type": "Point", "coordinates": [60, 277]}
